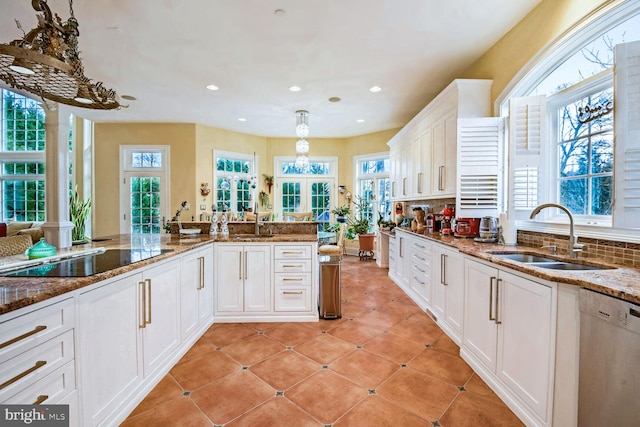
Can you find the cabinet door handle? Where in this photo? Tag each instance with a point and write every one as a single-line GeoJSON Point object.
{"type": "Point", "coordinates": [443, 269]}
{"type": "Point", "coordinates": [40, 399]}
{"type": "Point", "coordinates": [23, 336]}
{"type": "Point", "coordinates": [143, 305]}
{"type": "Point", "coordinates": [393, 189]}
{"type": "Point", "coordinates": [246, 258]}
{"type": "Point", "coordinates": [404, 186]}
{"type": "Point", "coordinates": [491, 279]}
{"type": "Point", "coordinates": [201, 260]}
{"type": "Point", "coordinates": [419, 182]}
{"type": "Point", "coordinates": [38, 365]}
{"type": "Point", "coordinates": [401, 245]}
{"type": "Point", "coordinates": [148, 282]}
{"type": "Point", "coordinates": [498, 322]}
{"type": "Point", "coordinates": [440, 178]}
{"type": "Point", "coordinates": [291, 293]}
{"type": "Point", "coordinates": [240, 265]}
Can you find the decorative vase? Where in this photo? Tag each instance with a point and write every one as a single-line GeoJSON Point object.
{"type": "Point", "coordinates": [418, 218]}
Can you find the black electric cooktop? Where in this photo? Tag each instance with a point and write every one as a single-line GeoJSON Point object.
{"type": "Point", "coordinates": [88, 265]}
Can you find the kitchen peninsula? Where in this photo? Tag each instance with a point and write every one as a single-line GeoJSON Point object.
{"type": "Point", "coordinates": [100, 343]}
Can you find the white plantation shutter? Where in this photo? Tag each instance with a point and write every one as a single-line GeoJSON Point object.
{"type": "Point", "coordinates": [626, 205]}
{"type": "Point", "coordinates": [480, 145]}
{"type": "Point", "coordinates": [527, 140]}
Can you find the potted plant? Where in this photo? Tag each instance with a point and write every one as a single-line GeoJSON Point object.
{"type": "Point", "coordinates": [268, 180]}
{"type": "Point", "coordinates": [341, 212]}
{"type": "Point", "coordinates": [360, 226]}
{"type": "Point", "coordinates": [78, 213]}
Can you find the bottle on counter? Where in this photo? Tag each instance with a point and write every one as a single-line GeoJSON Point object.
{"type": "Point", "coordinates": [213, 230]}
{"type": "Point", "coordinates": [224, 228]}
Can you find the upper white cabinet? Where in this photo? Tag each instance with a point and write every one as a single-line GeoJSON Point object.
{"type": "Point", "coordinates": [424, 153]}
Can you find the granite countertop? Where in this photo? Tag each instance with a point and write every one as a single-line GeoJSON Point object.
{"type": "Point", "coordinates": [18, 292]}
{"type": "Point", "coordinates": [620, 282]}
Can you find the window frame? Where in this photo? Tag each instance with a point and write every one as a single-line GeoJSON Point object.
{"type": "Point", "coordinates": [253, 172]}
{"type": "Point", "coordinates": [358, 177]}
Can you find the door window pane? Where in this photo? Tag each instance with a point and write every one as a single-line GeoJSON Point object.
{"type": "Point", "coordinates": [145, 205]}
{"type": "Point", "coordinates": [291, 197]}
{"type": "Point", "coordinates": [321, 203]}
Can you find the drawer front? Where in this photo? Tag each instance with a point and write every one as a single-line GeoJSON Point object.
{"type": "Point", "coordinates": [293, 266]}
{"type": "Point", "coordinates": [293, 279]}
{"type": "Point", "coordinates": [293, 252]}
{"type": "Point", "coordinates": [50, 389]}
{"type": "Point", "coordinates": [292, 298]}
{"type": "Point", "coordinates": [34, 364]}
{"type": "Point", "coordinates": [29, 330]}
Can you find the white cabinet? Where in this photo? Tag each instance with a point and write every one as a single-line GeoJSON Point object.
{"type": "Point", "coordinates": [243, 278]}
{"type": "Point", "coordinates": [196, 295]}
{"type": "Point", "coordinates": [448, 290]}
{"type": "Point", "coordinates": [129, 329]}
{"type": "Point", "coordinates": [293, 286]}
{"type": "Point", "coordinates": [160, 319]}
{"type": "Point", "coordinates": [37, 358]}
{"type": "Point", "coordinates": [420, 269]}
{"type": "Point", "coordinates": [423, 154]}
{"type": "Point", "coordinates": [109, 364]}
{"type": "Point", "coordinates": [509, 337]}
{"type": "Point", "coordinates": [393, 256]}
{"type": "Point", "coordinates": [403, 259]}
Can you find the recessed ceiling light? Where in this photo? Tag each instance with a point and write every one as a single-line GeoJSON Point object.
{"type": "Point", "coordinates": [129, 97]}
{"type": "Point", "coordinates": [375, 89]}
{"type": "Point", "coordinates": [212, 87]}
{"type": "Point", "coordinates": [242, 119]}
{"type": "Point", "coordinates": [360, 120]}
{"type": "Point", "coordinates": [295, 88]}
{"type": "Point", "coordinates": [334, 99]}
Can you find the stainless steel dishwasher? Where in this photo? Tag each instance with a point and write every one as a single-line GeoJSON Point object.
{"type": "Point", "coordinates": [609, 391]}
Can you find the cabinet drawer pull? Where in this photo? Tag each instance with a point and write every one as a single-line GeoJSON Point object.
{"type": "Point", "coordinates": [498, 321]}
{"type": "Point", "coordinates": [292, 252]}
{"type": "Point", "coordinates": [288, 279]}
{"type": "Point", "coordinates": [420, 258]}
{"type": "Point", "coordinates": [40, 399]}
{"type": "Point", "coordinates": [418, 280]}
{"type": "Point", "coordinates": [292, 266]}
{"type": "Point", "coordinates": [291, 293]}
{"type": "Point", "coordinates": [491, 279]}
{"type": "Point", "coordinates": [201, 260]}
{"type": "Point", "coordinates": [418, 268]}
{"type": "Point", "coordinates": [23, 336]}
{"type": "Point", "coordinates": [38, 365]}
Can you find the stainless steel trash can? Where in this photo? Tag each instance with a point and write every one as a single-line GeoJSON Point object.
{"type": "Point", "coordinates": [329, 306]}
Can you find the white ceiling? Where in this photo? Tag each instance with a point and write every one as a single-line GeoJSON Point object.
{"type": "Point", "coordinates": [164, 52]}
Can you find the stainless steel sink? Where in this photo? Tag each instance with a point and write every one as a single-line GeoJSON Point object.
{"type": "Point", "coordinates": [549, 263]}
{"type": "Point", "coordinates": [526, 258]}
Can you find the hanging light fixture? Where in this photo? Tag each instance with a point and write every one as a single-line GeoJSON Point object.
{"type": "Point", "coordinates": [302, 145]}
{"type": "Point", "coordinates": [46, 62]}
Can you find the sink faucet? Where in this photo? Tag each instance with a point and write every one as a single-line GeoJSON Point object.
{"type": "Point", "coordinates": [257, 223]}
{"type": "Point", "coordinates": [574, 246]}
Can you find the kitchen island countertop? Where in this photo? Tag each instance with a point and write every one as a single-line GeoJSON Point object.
{"type": "Point", "coordinates": [18, 292]}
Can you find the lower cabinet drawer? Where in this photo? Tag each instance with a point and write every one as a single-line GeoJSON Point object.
{"type": "Point", "coordinates": [293, 279]}
{"type": "Point", "coordinates": [292, 266]}
{"type": "Point", "coordinates": [49, 390]}
{"type": "Point", "coordinates": [292, 298]}
{"type": "Point", "coordinates": [27, 368]}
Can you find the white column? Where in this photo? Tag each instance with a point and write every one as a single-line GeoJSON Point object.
{"type": "Point", "coordinates": [57, 228]}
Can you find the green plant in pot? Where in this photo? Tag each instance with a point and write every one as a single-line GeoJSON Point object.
{"type": "Point", "coordinates": [341, 212]}
{"type": "Point", "coordinates": [360, 226]}
{"type": "Point", "coordinates": [78, 213]}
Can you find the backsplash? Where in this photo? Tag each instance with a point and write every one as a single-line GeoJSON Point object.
{"type": "Point", "coordinates": [622, 253]}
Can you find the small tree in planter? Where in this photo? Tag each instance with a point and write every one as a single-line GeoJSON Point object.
{"type": "Point", "coordinates": [360, 226]}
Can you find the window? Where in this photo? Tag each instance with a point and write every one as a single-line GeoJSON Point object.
{"type": "Point", "coordinates": [144, 199]}
{"type": "Point", "coordinates": [234, 180]}
{"type": "Point", "coordinates": [310, 189]}
{"type": "Point", "coordinates": [373, 185]}
{"type": "Point", "coordinates": [22, 167]}
{"type": "Point", "coordinates": [577, 130]}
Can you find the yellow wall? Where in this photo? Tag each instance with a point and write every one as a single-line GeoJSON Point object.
{"type": "Point", "coordinates": [549, 20]}
{"type": "Point", "coordinates": [107, 140]}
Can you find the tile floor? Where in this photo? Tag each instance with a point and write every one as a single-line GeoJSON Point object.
{"type": "Point", "coordinates": [385, 363]}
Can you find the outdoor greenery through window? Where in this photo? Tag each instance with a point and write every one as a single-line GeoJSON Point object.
{"type": "Point", "coordinates": [374, 186]}
{"type": "Point", "coordinates": [584, 148]}
{"type": "Point", "coordinates": [145, 205]}
{"type": "Point", "coordinates": [22, 158]}
{"type": "Point", "coordinates": [232, 177]}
